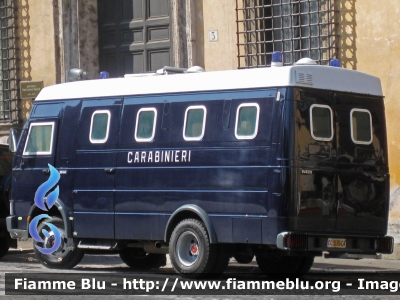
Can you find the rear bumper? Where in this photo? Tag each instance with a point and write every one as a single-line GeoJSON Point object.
{"type": "Point", "coordinates": [12, 229]}
{"type": "Point", "coordinates": [335, 244]}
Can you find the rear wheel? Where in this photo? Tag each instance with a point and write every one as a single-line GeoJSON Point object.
{"type": "Point", "coordinates": [222, 261]}
{"type": "Point", "coordinates": [190, 250]}
{"type": "Point", "coordinates": [284, 265]}
{"type": "Point", "coordinates": [137, 258]}
{"type": "Point", "coordinates": [66, 256]}
{"type": "Point", "coordinates": [3, 247]}
{"type": "Point", "coordinates": [244, 258]}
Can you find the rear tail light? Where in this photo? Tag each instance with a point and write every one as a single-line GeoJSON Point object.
{"type": "Point", "coordinates": [384, 245]}
{"type": "Point", "coordinates": [296, 241]}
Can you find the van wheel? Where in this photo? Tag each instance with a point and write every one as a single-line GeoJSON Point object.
{"type": "Point", "coordinates": [222, 260]}
{"type": "Point", "coordinates": [279, 265]}
{"type": "Point", "coordinates": [3, 247]}
{"type": "Point", "coordinates": [66, 256]}
{"type": "Point", "coordinates": [244, 258]}
{"type": "Point", "coordinates": [190, 250]}
{"type": "Point", "coordinates": [305, 265]}
{"type": "Point", "coordinates": [137, 258]}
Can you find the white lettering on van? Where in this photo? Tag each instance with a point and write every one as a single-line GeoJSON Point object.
{"type": "Point", "coordinates": [157, 157]}
{"type": "Point", "coordinates": [143, 157]}
{"type": "Point", "coordinates": [130, 157]}
{"type": "Point", "coordinates": [184, 154]}
{"type": "Point", "coordinates": [174, 156]}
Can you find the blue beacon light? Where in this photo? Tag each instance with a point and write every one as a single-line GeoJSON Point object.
{"type": "Point", "coordinates": [104, 75]}
{"type": "Point", "coordinates": [335, 63]}
{"type": "Point", "coordinates": [276, 60]}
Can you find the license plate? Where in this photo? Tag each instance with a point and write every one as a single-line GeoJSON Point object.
{"type": "Point", "coordinates": [336, 243]}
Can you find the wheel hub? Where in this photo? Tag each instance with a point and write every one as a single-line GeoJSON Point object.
{"type": "Point", "coordinates": [188, 248]}
{"type": "Point", "coordinates": [194, 249]}
{"type": "Point", "coordinates": [64, 248]}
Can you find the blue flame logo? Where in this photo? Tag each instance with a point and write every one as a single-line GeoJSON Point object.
{"type": "Point", "coordinates": [45, 204]}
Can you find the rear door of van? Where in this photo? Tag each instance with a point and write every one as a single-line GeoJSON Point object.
{"type": "Point", "coordinates": [363, 179]}
{"type": "Point", "coordinates": [95, 166]}
{"type": "Point", "coordinates": [314, 191]}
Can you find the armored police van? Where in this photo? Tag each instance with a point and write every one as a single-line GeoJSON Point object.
{"type": "Point", "coordinates": [282, 164]}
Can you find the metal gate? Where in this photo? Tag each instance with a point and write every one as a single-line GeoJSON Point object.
{"type": "Point", "coordinates": [134, 36]}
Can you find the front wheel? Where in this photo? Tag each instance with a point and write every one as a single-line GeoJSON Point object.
{"type": "Point", "coordinates": [190, 250]}
{"type": "Point", "coordinates": [66, 256]}
{"type": "Point", "coordinates": [137, 258]}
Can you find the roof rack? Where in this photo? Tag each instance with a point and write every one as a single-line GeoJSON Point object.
{"type": "Point", "coordinates": [169, 71]}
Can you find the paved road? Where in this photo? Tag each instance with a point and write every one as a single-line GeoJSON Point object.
{"type": "Point", "coordinates": [24, 260]}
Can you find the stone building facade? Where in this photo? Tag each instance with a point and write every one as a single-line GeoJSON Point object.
{"type": "Point", "coordinates": [42, 40]}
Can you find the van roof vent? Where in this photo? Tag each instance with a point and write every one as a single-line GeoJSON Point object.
{"type": "Point", "coordinates": [304, 78]}
{"type": "Point", "coordinates": [169, 71]}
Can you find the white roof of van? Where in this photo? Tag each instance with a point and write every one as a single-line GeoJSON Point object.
{"type": "Point", "coordinates": [312, 76]}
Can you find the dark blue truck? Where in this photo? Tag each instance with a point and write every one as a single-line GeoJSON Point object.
{"type": "Point", "coordinates": [282, 164]}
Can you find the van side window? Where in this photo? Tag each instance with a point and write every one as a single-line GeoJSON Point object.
{"type": "Point", "coordinates": [40, 139]}
{"type": "Point", "coordinates": [99, 126]}
{"type": "Point", "coordinates": [361, 126]}
{"type": "Point", "coordinates": [194, 123]}
{"type": "Point", "coordinates": [321, 121]}
{"type": "Point", "coordinates": [145, 124]}
{"type": "Point", "coordinates": [247, 117]}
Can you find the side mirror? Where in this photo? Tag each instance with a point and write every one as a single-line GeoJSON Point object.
{"type": "Point", "coordinates": [13, 139]}
{"type": "Point", "coordinates": [76, 75]}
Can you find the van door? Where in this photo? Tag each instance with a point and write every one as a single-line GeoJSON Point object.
{"type": "Point", "coordinates": [39, 140]}
{"type": "Point", "coordinates": [95, 166]}
{"type": "Point", "coordinates": [315, 152]}
{"type": "Point", "coordinates": [363, 178]}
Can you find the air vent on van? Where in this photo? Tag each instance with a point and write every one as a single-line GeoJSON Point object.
{"type": "Point", "coordinates": [304, 78]}
{"type": "Point", "coordinates": [168, 71]}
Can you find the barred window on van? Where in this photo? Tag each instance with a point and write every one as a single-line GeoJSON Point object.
{"type": "Point", "coordinates": [247, 121]}
{"type": "Point", "coordinates": [195, 123]}
{"type": "Point", "coordinates": [321, 122]}
{"type": "Point", "coordinates": [99, 126]}
{"type": "Point", "coordinates": [40, 139]}
{"type": "Point", "coordinates": [145, 125]}
{"type": "Point", "coordinates": [361, 126]}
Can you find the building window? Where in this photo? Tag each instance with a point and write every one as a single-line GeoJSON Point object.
{"type": "Point", "coordinates": [297, 28]}
{"type": "Point", "coordinates": [8, 63]}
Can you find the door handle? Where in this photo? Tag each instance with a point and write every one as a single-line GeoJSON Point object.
{"type": "Point", "coordinates": [110, 171]}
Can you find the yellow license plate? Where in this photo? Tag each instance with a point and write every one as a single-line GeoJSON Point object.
{"type": "Point", "coordinates": [336, 243]}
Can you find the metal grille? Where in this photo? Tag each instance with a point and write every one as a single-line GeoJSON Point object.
{"type": "Point", "coordinates": [8, 63]}
{"type": "Point", "coordinates": [297, 28]}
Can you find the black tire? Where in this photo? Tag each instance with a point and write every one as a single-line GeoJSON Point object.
{"type": "Point", "coordinates": [243, 258]}
{"type": "Point", "coordinates": [190, 250]}
{"type": "Point", "coordinates": [278, 266]}
{"type": "Point", "coordinates": [3, 247]}
{"type": "Point", "coordinates": [222, 261]}
{"type": "Point", "coordinates": [67, 256]}
{"type": "Point", "coordinates": [137, 258]}
{"type": "Point", "coordinates": [305, 265]}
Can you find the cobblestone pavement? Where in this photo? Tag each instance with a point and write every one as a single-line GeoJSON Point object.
{"type": "Point", "coordinates": [24, 260]}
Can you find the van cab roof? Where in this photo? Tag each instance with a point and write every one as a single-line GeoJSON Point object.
{"type": "Point", "coordinates": [312, 76]}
